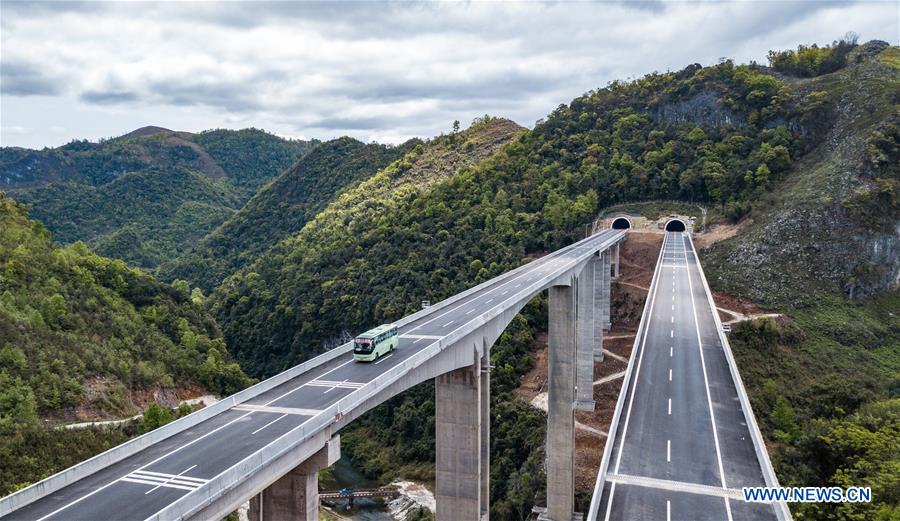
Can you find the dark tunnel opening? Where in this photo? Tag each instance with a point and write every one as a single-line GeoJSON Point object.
{"type": "Point", "coordinates": [621, 224]}
{"type": "Point", "coordinates": [675, 225]}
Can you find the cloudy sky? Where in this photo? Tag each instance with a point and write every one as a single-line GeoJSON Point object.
{"type": "Point", "coordinates": [375, 71]}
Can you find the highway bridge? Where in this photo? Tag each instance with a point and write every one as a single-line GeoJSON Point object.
{"type": "Point", "coordinates": [266, 444]}
{"type": "Point", "coordinates": [684, 440]}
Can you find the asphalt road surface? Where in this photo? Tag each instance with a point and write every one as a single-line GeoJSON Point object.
{"type": "Point", "coordinates": [146, 482]}
{"type": "Point", "coordinates": [683, 450]}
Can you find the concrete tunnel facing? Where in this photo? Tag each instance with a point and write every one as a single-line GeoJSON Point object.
{"type": "Point", "coordinates": [621, 223]}
{"type": "Point", "coordinates": [675, 225]}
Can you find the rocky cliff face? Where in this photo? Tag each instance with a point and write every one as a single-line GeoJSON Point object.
{"type": "Point", "coordinates": [703, 110]}
{"type": "Point", "coordinates": [791, 255]}
{"type": "Point", "coordinates": [834, 227]}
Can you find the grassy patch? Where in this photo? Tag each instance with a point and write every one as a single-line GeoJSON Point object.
{"type": "Point", "coordinates": [891, 56]}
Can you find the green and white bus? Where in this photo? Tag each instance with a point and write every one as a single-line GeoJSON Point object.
{"type": "Point", "coordinates": [375, 343]}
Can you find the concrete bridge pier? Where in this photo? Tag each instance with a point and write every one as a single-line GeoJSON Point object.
{"type": "Point", "coordinates": [586, 327]}
{"type": "Point", "coordinates": [605, 287]}
{"type": "Point", "coordinates": [597, 307]}
{"type": "Point", "coordinates": [616, 261]}
{"type": "Point", "coordinates": [485, 412]}
{"type": "Point", "coordinates": [462, 422]}
{"type": "Point", "coordinates": [561, 404]}
{"type": "Point", "coordinates": [295, 496]}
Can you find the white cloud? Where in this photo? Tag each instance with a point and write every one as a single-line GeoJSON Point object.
{"type": "Point", "coordinates": [384, 71]}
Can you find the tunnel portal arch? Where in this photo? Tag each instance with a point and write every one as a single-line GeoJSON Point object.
{"type": "Point", "coordinates": [621, 223]}
{"type": "Point", "coordinates": [675, 225]}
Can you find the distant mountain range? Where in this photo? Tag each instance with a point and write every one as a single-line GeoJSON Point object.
{"type": "Point", "coordinates": [148, 195]}
{"type": "Point", "coordinates": [281, 208]}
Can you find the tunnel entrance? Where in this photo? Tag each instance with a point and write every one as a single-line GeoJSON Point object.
{"type": "Point", "coordinates": [675, 225]}
{"type": "Point", "coordinates": [621, 223]}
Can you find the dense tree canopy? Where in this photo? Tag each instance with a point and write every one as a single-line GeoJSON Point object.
{"type": "Point", "coordinates": [812, 60]}
{"type": "Point", "coordinates": [379, 249]}
{"type": "Point", "coordinates": [150, 195]}
{"type": "Point", "coordinates": [281, 208]}
{"type": "Point", "coordinates": [69, 317]}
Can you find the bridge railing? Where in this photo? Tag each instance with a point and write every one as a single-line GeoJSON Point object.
{"type": "Point", "coordinates": [77, 472]}
{"type": "Point", "coordinates": [366, 492]}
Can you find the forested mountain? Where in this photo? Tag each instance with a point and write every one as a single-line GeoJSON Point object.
{"type": "Point", "coordinates": [68, 316]}
{"type": "Point", "coordinates": [282, 208]}
{"type": "Point", "coordinates": [823, 249]}
{"type": "Point", "coordinates": [80, 335]}
{"type": "Point", "coordinates": [301, 295]}
{"type": "Point", "coordinates": [802, 154]}
{"type": "Point", "coordinates": [140, 217]}
{"type": "Point", "coordinates": [147, 195]}
{"type": "Point", "coordinates": [246, 158]}
{"type": "Point", "coordinates": [373, 255]}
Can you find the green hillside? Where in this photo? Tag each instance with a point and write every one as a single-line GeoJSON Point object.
{"type": "Point", "coordinates": [79, 335]}
{"type": "Point", "coordinates": [833, 220]}
{"type": "Point", "coordinates": [246, 159]}
{"type": "Point", "coordinates": [822, 249]}
{"type": "Point", "coordinates": [758, 144]}
{"type": "Point", "coordinates": [251, 157]}
{"type": "Point", "coordinates": [373, 255]}
{"type": "Point", "coordinates": [141, 217]}
{"type": "Point", "coordinates": [281, 208]}
{"type": "Point", "coordinates": [311, 288]}
{"type": "Point", "coordinates": [67, 316]}
{"type": "Point", "coordinates": [148, 195]}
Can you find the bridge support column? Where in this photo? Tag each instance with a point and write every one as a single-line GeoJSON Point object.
{"type": "Point", "coordinates": [606, 290]}
{"type": "Point", "coordinates": [560, 402]}
{"type": "Point", "coordinates": [597, 307]}
{"type": "Point", "coordinates": [486, 434]}
{"type": "Point", "coordinates": [585, 331]}
{"type": "Point", "coordinates": [295, 496]}
{"type": "Point", "coordinates": [460, 438]}
{"type": "Point", "coordinates": [616, 261]}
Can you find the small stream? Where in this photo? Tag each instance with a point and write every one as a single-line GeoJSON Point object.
{"type": "Point", "coordinates": [347, 476]}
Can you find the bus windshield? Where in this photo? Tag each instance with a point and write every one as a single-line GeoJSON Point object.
{"type": "Point", "coordinates": [363, 345]}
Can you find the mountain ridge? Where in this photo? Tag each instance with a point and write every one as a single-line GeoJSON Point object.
{"type": "Point", "coordinates": [281, 208]}
{"type": "Point", "coordinates": [76, 189]}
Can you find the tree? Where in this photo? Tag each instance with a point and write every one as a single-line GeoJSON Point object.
{"type": "Point", "coordinates": [182, 287]}
{"type": "Point", "coordinates": [784, 420]}
{"type": "Point", "coordinates": [18, 407]}
{"type": "Point", "coordinates": [54, 310]}
{"type": "Point", "coordinates": [197, 296]}
{"type": "Point", "coordinates": [156, 416]}
{"type": "Point", "coordinates": [184, 409]}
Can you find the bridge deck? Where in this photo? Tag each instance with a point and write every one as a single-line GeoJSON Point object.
{"type": "Point", "coordinates": [683, 449]}
{"type": "Point", "coordinates": [154, 478]}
